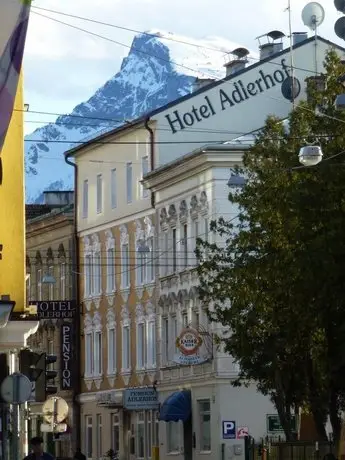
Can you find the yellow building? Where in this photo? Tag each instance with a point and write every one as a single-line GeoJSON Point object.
{"type": "Point", "coordinates": [116, 229]}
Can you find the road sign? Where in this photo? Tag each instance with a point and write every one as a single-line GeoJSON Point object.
{"type": "Point", "coordinates": [274, 425]}
{"type": "Point", "coordinates": [242, 432]}
{"type": "Point", "coordinates": [229, 429]}
{"type": "Point", "coordinates": [49, 428]}
{"type": "Point", "coordinates": [55, 410]}
{"type": "Point", "coordinates": [16, 388]}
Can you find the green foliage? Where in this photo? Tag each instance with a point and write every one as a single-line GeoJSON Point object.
{"type": "Point", "coordinates": [281, 263]}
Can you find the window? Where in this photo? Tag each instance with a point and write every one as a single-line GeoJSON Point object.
{"type": "Point", "coordinates": [113, 189]}
{"type": "Point", "coordinates": [88, 288]}
{"type": "Point", "coordinates": [206, 229]}
{"type": "Point", "coordinates": [129, 182]}
{"type": "Point", "coordinates": [126, 350]}
{"type": "Point", "coordinates": [205, 425]}
{"type": "Point", "coordinates": [150, 261]}
{"type": "Point", "coordinates": [125, 276]}
{"type": "Point", "coordinates": [184, 319]}
{"type": "Point", "coordinates": [151, 344]}
{"type": "Point", "coordinates": [88, 436]}
{"type": "Point", "coordinates": [115, 439]}
{"type": "Point", "coordinates": [174, 254]}
{"type": "Point", "coordinates": [99, 436]}
{"type": "Point", "coordinates": [39, 284]}
{"type": "Point", "coordinates": [175, 331]}
{"type": "Point", "coordinates": [140, 434]}
{"type": "Point", "coordinates": [63, 281]}
{"type": "Point", "coordinates": [97, 276]}
{"type": "Point", "coordinates": [144, 171]}
{"type": "Point", "coordinates": [174, 438]}
{"type": "Point", "coordinates": [141, 267]}
{"type": "Point", "coordinates": [28, 287]}
{"type": "Point", "coordinates": [140, 346]}
{"type": "Point", "coordinates": [85, 198]}
{"type": "Point", "coordinates": [165, 329]}
{"type": "Point", "coordinates": [111, 351]}
{"type": "Point", "coordinates": [185, 246]}
{"type": "Point", "coordinates": [99, 193]}
{"type": "Point", "coordinates": [51, 285]}
{"type": "Point", "coordinates": [149, 435]}
{"type": "Point", "coordinates": [88, 355]}
{"type": "Point", "coordinates": [110, 270]}
{"type": "Point", "coordinates": [195, 237]}
{"type": "Point", "coordinates": [98, 353]}
{"type": "Point", "coordinates": [166, 261]}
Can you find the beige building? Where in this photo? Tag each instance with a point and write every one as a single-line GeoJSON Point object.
{"type": "Point", "coordinates": [49, 248]}
{"type": "Point", "coordinates": [116, 229]}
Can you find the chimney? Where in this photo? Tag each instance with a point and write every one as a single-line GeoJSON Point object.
{"type": "Point", "coordinates": [272, 46]}
{"type": "Point", "coordinates": [58, 199]}
{"type": "Point", "coordinates": [298, 37]}
{"type": "Point", "coordinates": [201, 83]}
{"type": "Point", "coordinates": [238, 62]}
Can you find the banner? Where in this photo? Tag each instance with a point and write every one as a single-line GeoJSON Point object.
{"type": "Point", "coordinates": [66, 364]}
{"type": "Point", "coordinates": [14, 21]}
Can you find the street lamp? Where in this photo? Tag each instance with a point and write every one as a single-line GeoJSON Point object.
{"type": "Point", "coordinates": [310, 155]}
{"type": "Point", "coordinates": [48, 279]}
{"type": "Point", "coordinates": [6, 308]}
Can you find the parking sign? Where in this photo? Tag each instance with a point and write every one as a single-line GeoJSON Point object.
{"type": "Point", "coordinates": [229, 430]}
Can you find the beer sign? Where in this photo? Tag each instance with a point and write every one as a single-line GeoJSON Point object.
{"type": "Point", "coordinates": [188, 344]}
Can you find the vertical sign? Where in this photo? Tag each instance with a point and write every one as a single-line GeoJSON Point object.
{"type": "Point", "coordinates": [66, 356]}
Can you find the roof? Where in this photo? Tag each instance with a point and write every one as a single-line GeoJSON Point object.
{"type": "Point", "coordinates": [146, 117]}
{"type": "Point", "coordinates": [37, 212]}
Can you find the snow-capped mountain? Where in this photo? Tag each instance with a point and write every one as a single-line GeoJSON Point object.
{"type": "Point", "coordinates": [160, 67]}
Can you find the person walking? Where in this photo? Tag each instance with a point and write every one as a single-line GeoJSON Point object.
{"type": "Point", "coordinates": [37, 453]}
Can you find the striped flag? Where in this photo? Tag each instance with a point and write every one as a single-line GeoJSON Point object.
{"type": "Point", "coordinates": [14, 18]}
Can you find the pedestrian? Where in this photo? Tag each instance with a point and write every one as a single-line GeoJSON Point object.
{"type": "Point", "coordinates": [37, 453]}
{"type": "Point", "coordinates": [79, 455]}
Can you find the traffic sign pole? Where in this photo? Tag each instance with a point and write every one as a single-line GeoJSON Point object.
{"type": "Point", "coordinates": [15, 416]}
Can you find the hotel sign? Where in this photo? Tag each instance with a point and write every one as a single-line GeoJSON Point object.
{"type": "Point", "coordinates": [55, 309]}
{"type": "Point", "coordinates": [66, 363]}
{"type": "Point", "coordinates": [140, 399]}
{"type": "Point", "coordinates": [238, 92]}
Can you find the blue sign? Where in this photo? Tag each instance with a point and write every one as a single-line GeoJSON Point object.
{"type": "Point", "coordinates": [229, 430]}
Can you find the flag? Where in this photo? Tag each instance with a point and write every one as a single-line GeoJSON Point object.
{"type": "Point", "coordinates": [14, 19]}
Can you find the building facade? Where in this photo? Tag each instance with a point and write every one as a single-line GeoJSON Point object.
{"type": "Point", "coordinates": [117, 232]}
{"type": "Point", "coordinates": [49, 254]}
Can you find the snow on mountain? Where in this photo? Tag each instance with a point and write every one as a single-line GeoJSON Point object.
{"type": "Point", "coordinates": [160, 67]}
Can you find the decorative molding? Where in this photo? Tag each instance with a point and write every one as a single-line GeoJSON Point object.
{"type": "Point", "coordinates": [87, 246]}
{"type": "Point", "coordinates": [97, 322]}
{"type": "Point", "coordinates": [140, 313]}
{"type": "Point", "coordinates": [88, 382]}
{"type": "Point", "coordinates": [109, 240]}
{"type": "Point", "coordinates": [98, 381]}
{"type": "Point", "coordinates": [110, 299]}
{"type": "Point", "coordinates": [140, 373]}
{"type": "Point", "coordinates": [183, 215]}
{"type": "Point", "coordinates": [111, 380]}
{"type": "Point", "coordinates": [96, 301]}
{"type": "Point", "coordinates": [139, 290]}
{"type": "Point", "coordinates": [172, 215]}
{"type": "Point", "coordinates": [111, 319]}
{"type": "Point", "coordinates": [149, 228]}
{"type": "Point", "coordinates": [163, 218]}
{"type": "Point", "coordinates": [96, 244]}
{"type": "Point", "coordinates": [139, 233]}
{"type": "Point", "coordinates": [152, 374]}
{"type": "Point", "coordinates": [126, 375]}
{"type": "Point", "coordinates": [203, 203]}
{"type": "Point", "coordinates": [125, 316]}
{"type": "Point", "coordinates": [150, 312]}
{"type": "Point", "coordinates": [150, 288]}
{"type": "Point", "coordinates": [125, 294]}
{"type": "Point", "coordinates": [194, 207]}
{"type": "Point", "coordinates": [88, 324]}
{"type": "Point", "coordinates": [124, 237]}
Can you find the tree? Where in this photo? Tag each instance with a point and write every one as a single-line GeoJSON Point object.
{"type": "Point", "coordinates": [276, 277]}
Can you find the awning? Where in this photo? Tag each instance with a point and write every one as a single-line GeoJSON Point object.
{"type": "Point", "coordinates": [178, 406]}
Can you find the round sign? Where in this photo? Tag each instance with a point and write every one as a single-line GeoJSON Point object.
{"type": "Point", "coordinates": [57, 405]}
{"type": "Point", "coordinates": [189, 341]}
{"type": "Point", "coordinates": [16, 388]}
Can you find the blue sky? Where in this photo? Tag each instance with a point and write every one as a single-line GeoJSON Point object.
{"type": "Point", "coordinates": [64, 66]}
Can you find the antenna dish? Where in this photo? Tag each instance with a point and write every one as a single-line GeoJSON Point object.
{"type": "Point", "coordinates": [313, 15]}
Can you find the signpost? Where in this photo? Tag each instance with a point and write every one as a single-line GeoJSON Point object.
{"type": "Point", "coordinates": [55, 309]}
{"type": "Point", "coordinates": [16, 389]}
{"type": "Point", "coordinates": [274, 425]}
{"type": "Point", "coordinates": [229, 429]}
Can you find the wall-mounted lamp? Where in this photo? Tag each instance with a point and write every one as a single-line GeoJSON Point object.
{"type": "Point", "coordinates": [236, 181]}
{"type": "Point", "coordinates": [26, 107]}
{"type": "Point", "coordinates": [6, 308]}
{"type": "Point", "coordinates": [48, 279]}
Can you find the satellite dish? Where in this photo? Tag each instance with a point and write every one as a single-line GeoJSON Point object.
{"type": "Point", "coordinates": [339, 28]}
{"type": "Point", "coordinates": [313, 15]}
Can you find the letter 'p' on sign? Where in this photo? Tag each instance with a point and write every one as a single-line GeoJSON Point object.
{"type": "Point", "coordinates": [229, 429]}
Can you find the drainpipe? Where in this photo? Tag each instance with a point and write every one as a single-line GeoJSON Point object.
{"type": "Point", "coordinates": [152, 154]}
{"type": "Point", "coordinates": [76, 295]}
